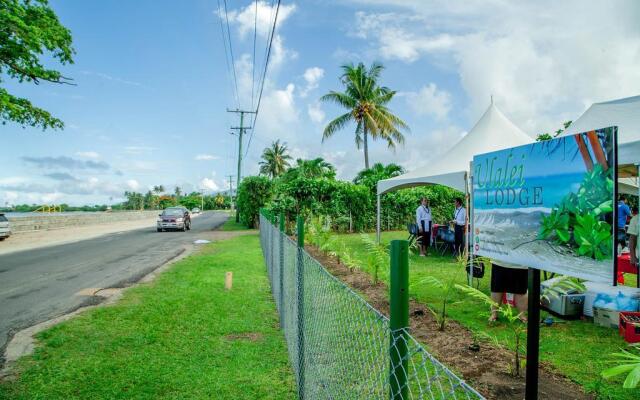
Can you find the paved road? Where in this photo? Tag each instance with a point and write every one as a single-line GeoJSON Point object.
{"type": "Point", "coordinates": [37, 285]}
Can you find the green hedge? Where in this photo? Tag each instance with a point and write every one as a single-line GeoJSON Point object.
{"type": "Point", "coordinates": [349, 206]}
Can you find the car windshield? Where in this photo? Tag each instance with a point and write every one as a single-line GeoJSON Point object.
{"type": "Point", "coordinates": [172, 212]}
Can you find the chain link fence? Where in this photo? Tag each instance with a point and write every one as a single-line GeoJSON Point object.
{"type": "Point", "coordinates": [339, 346]}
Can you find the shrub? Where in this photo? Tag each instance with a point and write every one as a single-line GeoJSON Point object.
{"type": "Point", "coordinates": [254, 193]}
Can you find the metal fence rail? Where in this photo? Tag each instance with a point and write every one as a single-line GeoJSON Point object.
{"type": "Point", "coordinates": [339, 346]}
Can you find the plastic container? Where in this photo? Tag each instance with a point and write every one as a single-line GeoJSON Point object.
{"type": "Point", "coordinates": [629, 326]}
{"type": "Point", "coordinates": [606, 318]}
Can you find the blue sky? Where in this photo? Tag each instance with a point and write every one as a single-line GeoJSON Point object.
{"type": "Point", "coordinates": [152, 85]}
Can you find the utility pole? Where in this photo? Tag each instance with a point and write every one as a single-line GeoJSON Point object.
{"type": "Point", "coordinates": [241, 130]}
{"type": "Point", "coordinates": [231, 190]}
{"type": "Point", "coordinates": [202, 199]}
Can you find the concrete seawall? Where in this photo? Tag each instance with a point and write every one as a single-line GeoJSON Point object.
{"type": "Point", "coordinates": [53, 221]}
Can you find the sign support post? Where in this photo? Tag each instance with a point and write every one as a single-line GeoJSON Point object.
{"type": "Point", "coordinates": [533, 335]}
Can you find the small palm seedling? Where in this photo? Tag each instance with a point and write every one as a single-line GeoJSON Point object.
{"type": "Point", "coordinates": [517, 328]}
{"type": "Point", "coordinates": [319, 234]}
{"type": "Point", "coordinates": [377, 257]}
{"type": "Point", "coordinates": [446, 288]}
{"type": "Point", "coordinates": [628, 362]}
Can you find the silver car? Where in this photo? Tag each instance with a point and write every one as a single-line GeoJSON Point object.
{"type": "Point", "coordinates": [174, 218]}
{"type": "Point", "coordinates": [5, 229]}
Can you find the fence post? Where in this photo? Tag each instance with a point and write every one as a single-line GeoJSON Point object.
{"type": "Point", "coordinates": [399, 310]}
{"type": "Point", "coordinates": [281, 277]}
{"type": "Point", "coordinates": [300, 285]}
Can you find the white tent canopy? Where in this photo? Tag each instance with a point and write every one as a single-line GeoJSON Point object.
{"type": "Point", "coordinates": [492, 132]}
{"type": "Point", "coordinates": [623, 113]}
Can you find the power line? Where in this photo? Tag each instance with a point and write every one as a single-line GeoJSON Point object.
{"type": "Point", "coordinates": [264, 73]}
{"type": "Point", "coordinates": [226, 53]}
{"type": "Point", "coordinates": [233, 61]}
{"type": "Point", "coordinates": [253, 64]}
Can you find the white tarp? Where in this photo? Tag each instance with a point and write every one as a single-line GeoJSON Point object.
{"type": "Point", "coordinates": [623, 113]}
{"type": "Point", "coordinates": [492, 132]}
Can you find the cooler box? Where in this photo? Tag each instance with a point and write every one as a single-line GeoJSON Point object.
{"type": "Point", "coordinates": [565, 302]}
{"type": "Point", "coordinates": [566, 305]}
{"type": "Point", "coordinates": [629, 327]}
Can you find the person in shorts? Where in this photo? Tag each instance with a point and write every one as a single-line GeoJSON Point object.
{"type": "Point", "coordinates": [509, 280]}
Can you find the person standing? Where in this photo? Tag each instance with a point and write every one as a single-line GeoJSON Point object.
{"type": "Point", "coordinates": [423, 220]}
{"type": "Point", "coordinates": [509, 280]}
{"type": "Point", "coordinates": [460, 222]}
{"type": "Point", "coordinates": [623, 213]}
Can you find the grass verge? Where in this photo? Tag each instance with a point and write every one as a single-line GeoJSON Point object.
{"type": "Point", "coordinates": [182, 336]}
{"type": "Point", "coordinates": [231, 225]}
{"type": "Point", "coordinates": [578, 349]}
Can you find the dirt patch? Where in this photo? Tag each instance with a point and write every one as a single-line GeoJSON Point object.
{"type": "Point", "coordinates": [249, 336]}
{"type": "Point", "coordinates": [485, 369]}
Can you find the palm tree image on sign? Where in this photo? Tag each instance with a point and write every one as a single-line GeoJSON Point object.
{"type": "Point", "coordinates": [366, 103]}
{"type": "Point", "coordinates": [548, 205]}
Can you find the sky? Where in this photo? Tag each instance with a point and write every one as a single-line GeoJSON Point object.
{"type": "Point", "coordinates": [153, 85]}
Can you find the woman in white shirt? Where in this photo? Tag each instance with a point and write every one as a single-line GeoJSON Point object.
{"type": "Point", "coordinates": [460, 222]}
{"type": "Point", "coordinates": [423, 220]}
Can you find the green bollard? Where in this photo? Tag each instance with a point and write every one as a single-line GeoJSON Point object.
{"type": "Point", "coordinates": [300, 286]}
{"type": "Point", "coordinates": [399, 324]}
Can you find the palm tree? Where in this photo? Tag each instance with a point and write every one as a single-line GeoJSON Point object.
{"type": "Point", "coordinates": [276, 160]}
{"type": "Point", "coordinates": [158, 189]}
{"type": "Point", "coordinates": [370, 177]}
{"type": "Point", "coordinates": [316, 168]}
{"type": "Point", "coordinates": [366, 103]}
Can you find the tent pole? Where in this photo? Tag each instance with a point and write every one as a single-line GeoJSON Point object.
{"type": "Point", "coordinates": [378, 220]}
{"type": "Point", "coordinates": [465, 253]}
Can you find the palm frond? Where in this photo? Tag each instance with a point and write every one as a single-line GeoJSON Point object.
{"type": "Point", "coordinates": [337, 124]}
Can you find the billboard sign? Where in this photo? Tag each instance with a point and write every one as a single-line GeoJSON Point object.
{"type": "Point", "coordinates": [549, 205]}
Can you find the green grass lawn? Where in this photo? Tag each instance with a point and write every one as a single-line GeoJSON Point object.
{"type": "Point", "coordinates": [181, 337]}
{"type": "Point", "coordinates": [231, 224]}
{"type": "Point", "coordinates": [577, 349]}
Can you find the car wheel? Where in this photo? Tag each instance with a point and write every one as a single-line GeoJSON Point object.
{"type": "Point", "coordinates": [2, 238]}
{"type": "Point", "coordinates": [159, 230]}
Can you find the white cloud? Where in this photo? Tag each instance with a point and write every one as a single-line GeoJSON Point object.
{"type": "Point", "coordinates": [429, 100]}
{"type": "Point", "coordinates": [88, 154]}
{"type": "Point", "coordinates": [205, 157]}
{"type": "Point", "coordinates": [208, 184]}
{"type": "Point", "coordinates": [540, 60]}
{"type": "Point", "coordinates": [316, 114]}
{"type": "Point", "coordinates": [312, 77]}
{"type": "Point", "coordinates": [246, 18]}
{"type": "Point", "coordinates": [278, 114]}
{"type": "Point", "coordinates": [133, 184]}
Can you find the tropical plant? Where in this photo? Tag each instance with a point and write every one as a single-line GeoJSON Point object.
{"type": "Point", "coordinates": [366, 103]}
{"type": "Point", "coordinates": [377, 257]}
{"type": "Point", "coordinates": [628, 363]}
{"type": "Point", "coordinates": [275, 160]}
{"type": "Point", "coordinates": [446, 290]}
{"type": "Point", "coordinates": [254, 192]}
{"type": "Point", "coordinates": [547, 136]}
{"type": "Point", "coordinates": [369, 177]}
{"type": "Point", "coordinates": [319, 233]}
{"type": "Point", "coordinates": [579, 220]}
{"type": "Point", "coordinates": [311, 169]}
{"type": "Point", "coordinates": [31, 31]}
{"type": "Point", "coordinates": [158, 189]}
{"type": "Point", "coordinates": [513, 317]}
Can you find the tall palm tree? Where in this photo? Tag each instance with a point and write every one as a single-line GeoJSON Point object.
{"type": "Point", "coordinates": [366, 102]}
{"type": "Point", "coordinates": [275, 160]}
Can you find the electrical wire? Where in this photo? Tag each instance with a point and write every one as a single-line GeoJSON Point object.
{"type": "Point", "coordinates": [226, 54]}
{"type": "Point", "coordinates": [264, 74]}
{"type": "Point", "coordinates": [235, 78]}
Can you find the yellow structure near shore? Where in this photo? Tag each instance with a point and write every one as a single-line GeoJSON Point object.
{"type": "Point", "coordinates": [49, 209]}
